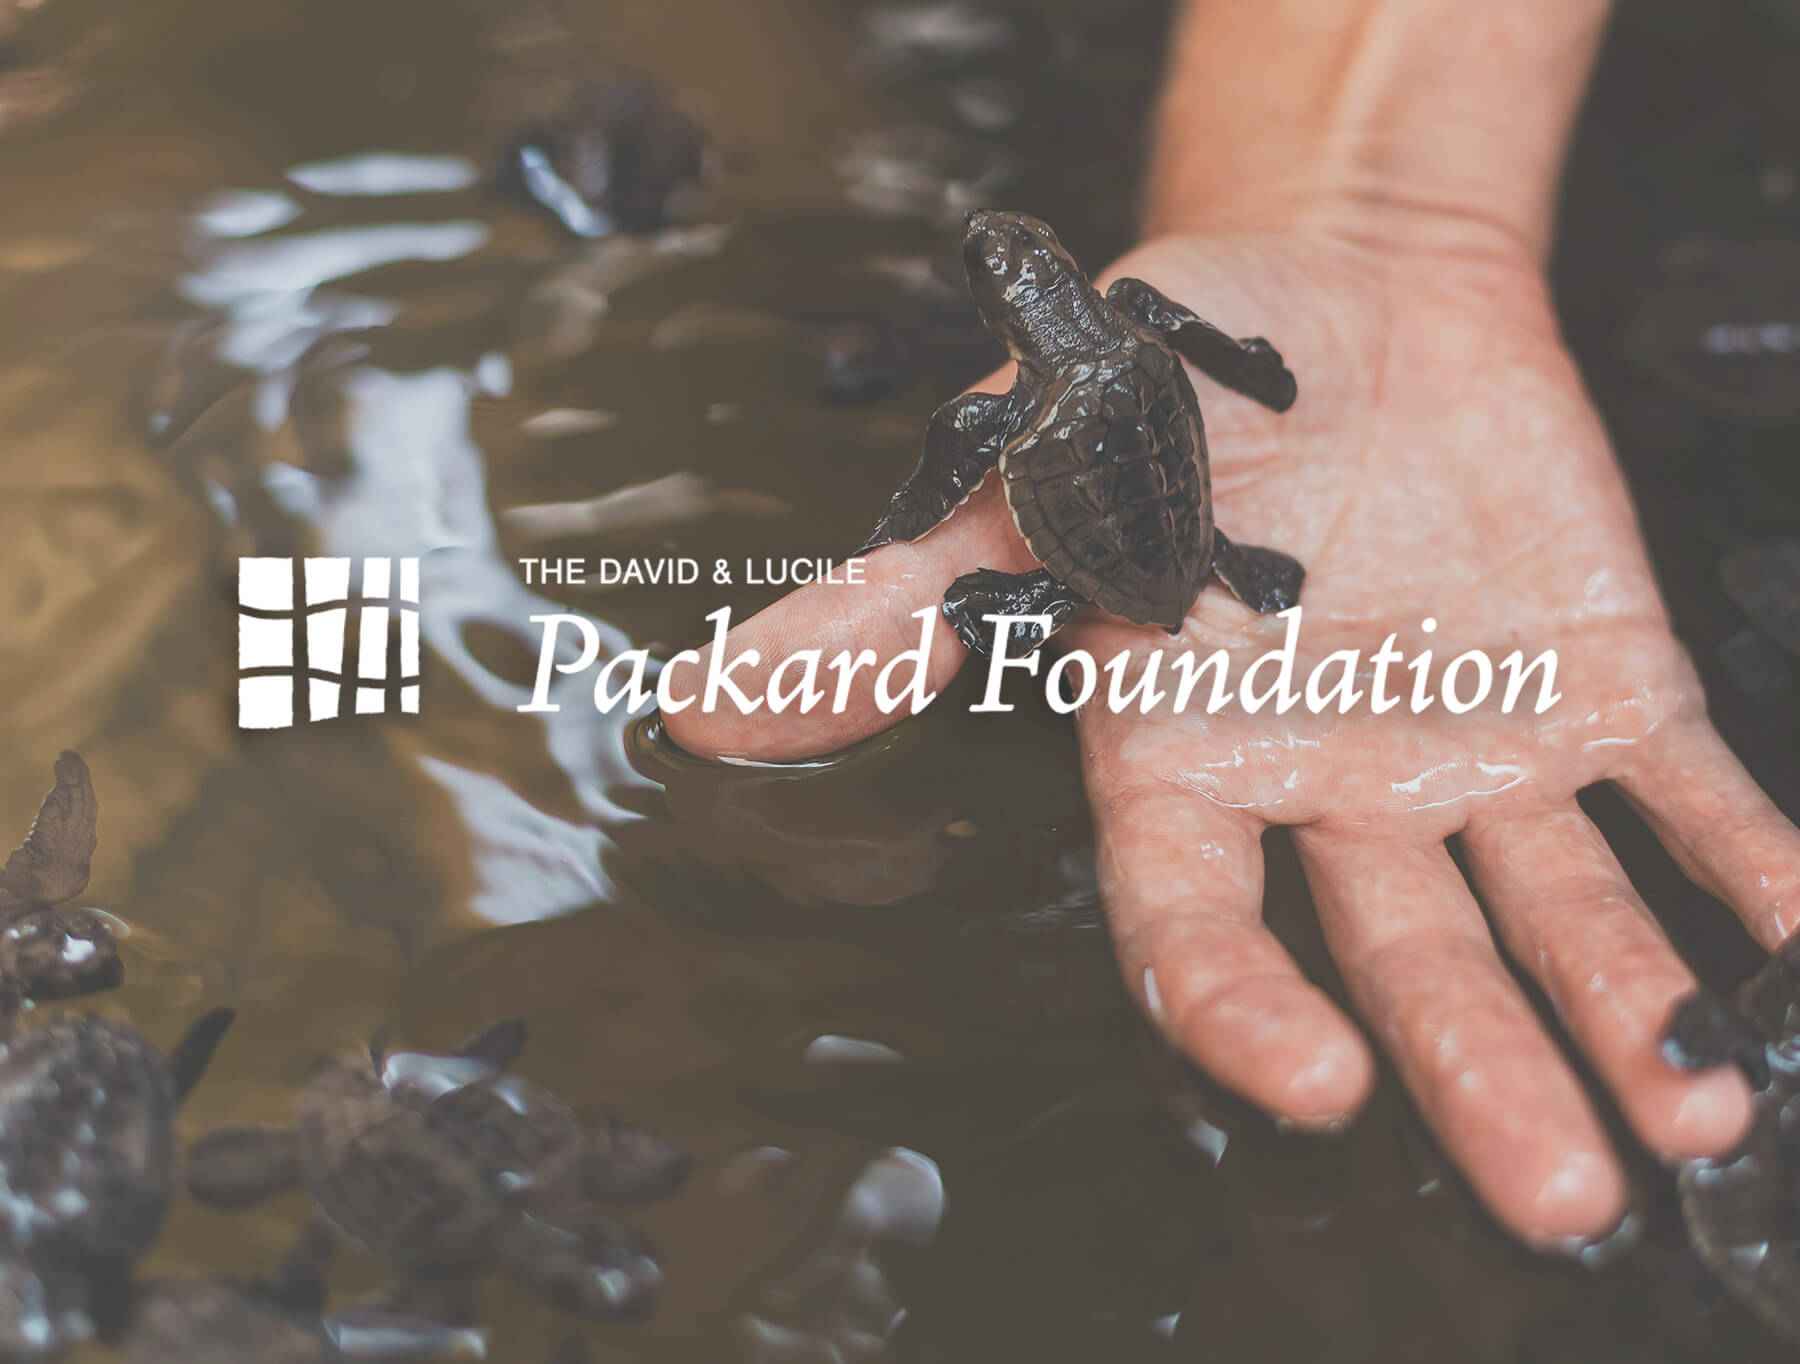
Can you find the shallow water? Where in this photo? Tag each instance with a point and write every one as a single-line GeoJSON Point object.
{"type": "Point", "coordinates": [873, 998]}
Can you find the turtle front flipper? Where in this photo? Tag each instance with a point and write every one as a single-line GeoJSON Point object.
{"type": "Point", "coordinates": [1265, 580]}
{"type": "Point", "coordinates": [963, 442]}
{"type": "Point", "coordinates": [1252, 367]}
{"type": "Point", "coordinates": [243, 1164]}
{"type": "Point", "coordinates": [1030, 596]}
{"type": "Point", "coordinates": [188, 1061]}
{"type": "Point", "coordinates": [52, 863]}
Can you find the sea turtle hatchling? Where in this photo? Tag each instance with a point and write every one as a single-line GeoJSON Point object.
{"type": "Point", "coordinates": [87, 1165]}
{"type": "Point", "coordinates": [1742, 1209]}
{"type": "Point", "coordinates": [46, 952]}
{"type": "Point", "coordinates": [1099, 443]}
{"type": "Point", "coordinates": [444, 1165]}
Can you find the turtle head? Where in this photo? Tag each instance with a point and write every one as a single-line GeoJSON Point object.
{"type": "Point", "coordinates": [57, 953]}
{"type": "Point", "coordinates": [1032, 295]}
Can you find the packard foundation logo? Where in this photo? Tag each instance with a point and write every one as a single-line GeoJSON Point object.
{"type": "Point", "coordinates": [292, 645]}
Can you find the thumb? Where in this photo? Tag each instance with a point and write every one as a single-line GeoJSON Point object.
{"type": "Point", "coordinates": [876, 615]}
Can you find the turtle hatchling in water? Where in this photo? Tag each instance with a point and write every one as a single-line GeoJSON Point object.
{"type": "Point", "coordinates": [87, 1166]}
{"type": "Point", "coordinates": [45, 952]}
{"type": "Point", "coordinates": [1743, 1209]}
{"type": "Point", "coordinates": [1099, 444]}
{"type": "Point", "coordinates": [445, 1165]}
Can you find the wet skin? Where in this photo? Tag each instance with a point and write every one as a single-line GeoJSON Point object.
{"type": "Point", "coordinates": [1447, 463]}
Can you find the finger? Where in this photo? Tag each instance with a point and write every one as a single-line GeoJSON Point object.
{"type": "Point", "coordinates": [876, 615]}
{"type": "Point", "coordinates": [1569, 915]}
{"type": "Point", "coordinates": [1182, 879]}
{"type": "Point", "coordinates": [1416, 955]}
{"type": "Point", "coordinates": [1717, 823]}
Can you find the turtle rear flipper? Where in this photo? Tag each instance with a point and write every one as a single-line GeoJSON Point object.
{"type": "Point", "coordinates": [584, 1262]}
{"type": "Point", "coordinates": [188, 1060]}
{"type": "Point", "coordinates": [963, 442]}
{"type": "Point", "coordinates": [53, 862]}
{"type": "Point", "coordinates": [243, 1164]}
{"type": "Point", "coordinates": [1705, 1031]}
{"type": "Point", "coordinates": [631, 1164]}
{"type": "Point", "coordinates": [1252, 367]}
{"type": "Point", "coordinates": [499, 1044]}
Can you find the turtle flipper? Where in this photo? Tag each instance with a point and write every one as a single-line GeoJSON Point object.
{"type": "Point", "coordinates": [499, 1044]}
{"type": "Point", "coordinates": [986, 592]}
{"type": "Point", "coordinates": [52, 863]}
{"type": "Point", "coordinates": [1252, 367]}
{"type": "Point", "coordinates": [189, 1058]}
{"type": "Point", "coordinates": [1265, 580]}
{"type": "Point", "coordinates": [242, 1164]}
{"type": "Point", "coordinates": [298, 1282]}
{"type": "Point", "coordinates": [631, 1164]}
{"type": "Point", "coordinates": [584, 1262]}
{"type": "Point", "coordinates": [963, 442]}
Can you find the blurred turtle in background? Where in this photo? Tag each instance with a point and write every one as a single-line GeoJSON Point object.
{"type": "Point", "coordinates": [621, 158]}
{"type": "Point", "coordinates": [447, 1165]}
{"type": "Point", "coordinates": [87, 1166]}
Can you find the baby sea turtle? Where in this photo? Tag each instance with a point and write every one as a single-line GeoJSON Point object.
{"type": "Point", "coordinates": [1763, 581]}
{"type": "Point", "coordinates": [49, 953]}
{"type": "Point", "coordinates": [1099, 444]}
{"type": "Point", "coordinates": [1743, 1209]}
{"type": "Point", "coordinates": [444, 1165]}
{"type": "Point", "coordinates": [87, 1165]}
{"type": "Point", "coordinates": [622, 158]}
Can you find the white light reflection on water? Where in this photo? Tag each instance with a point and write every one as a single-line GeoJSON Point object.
{"type": "Point", "coordinates": [417, 487]}
{"type": "Point", "coordinates": [836, 1304]}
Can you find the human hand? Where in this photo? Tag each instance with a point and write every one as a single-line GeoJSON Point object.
{"type": "Point", "coordinates": [1443, 461]}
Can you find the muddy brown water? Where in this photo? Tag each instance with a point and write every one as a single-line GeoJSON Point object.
{"type": "Point", "coordinates": [1015, 1170]}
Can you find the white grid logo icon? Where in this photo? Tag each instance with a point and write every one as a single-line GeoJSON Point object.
{"type": "Point", "coordinates": [293, 645]}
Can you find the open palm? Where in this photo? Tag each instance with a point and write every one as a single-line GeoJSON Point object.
{"type": "Point", "coordinates": [1443, 462]}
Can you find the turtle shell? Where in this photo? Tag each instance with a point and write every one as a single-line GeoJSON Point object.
{"type": "Point", "coordinates": [389, 1177]}
{"type": "Point", "coordinates": [522, 1139]}
{"type": "Point", "coordinates": [87, 1139]}
{"type": "Point", "coordinates": [1109, 486]}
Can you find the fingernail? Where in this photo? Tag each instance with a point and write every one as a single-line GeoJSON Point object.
{"type": "Point", "coordinates": [1585, 1191]}
{"type": "Point", "coordinates": [1711, 1117]}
